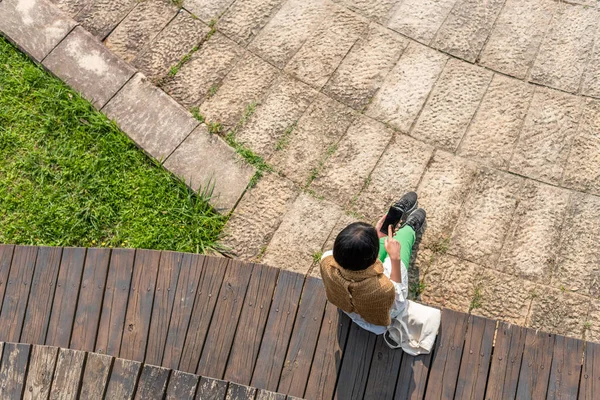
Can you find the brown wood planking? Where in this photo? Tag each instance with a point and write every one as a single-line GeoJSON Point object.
{"type": "Point", "coordinates": [475, 363]}
{"type": "Point", "coordinates": [17, 293]}
{"type": "Point", "coordinates": [185, 294]}
{"type": "Point", "coordinates": [164, 296]}
{"type": "Point", "coordinates": [328, 354]}
{"type": "Point", "coordinates": [139, 305]}
{"type": "Point", "coordinates": [65, 297]}
{"type": "Point", "coordinates": [123, 379]}
{"type": "Point", "coordinates": [13, 369]}
{"type": "Point", "coordinates": [89, 304]}
{"type": "Point", "coordinates": [213, 271]}
{"type": "Point", "coordinates": [303, 342]}
{"type": "Point", "coordinates": [41, 372]}
{"type": "Point", "coordinates": [211, 389]}
{"type": "Point", "coordinates": [6, 255]}
{"type": "Point", "coordinates": [381, 382]}
{"type": "Point", "coordinates": [95, 375]}
{"type": "Point", "coordinates": [412, 378]}
{"type": "Point", "coordinates": [506, 362]}
{"type": "Point", "coordinates": [152, 383]}
{"type": "Point", "coordinates": [354, 371]}
{"type": "Point", "coordinates": [67, 375]}
{"type": "Point", "coordinates": [41, 295]}
{"type": "Point", "coordinates": [251, 325]}
{"type": "Point", "coordinates": [566, 368]}
{"type": "Point", "coordinates": [114, 305]}
{"type": "Point", "coordinates": [263, 394]}
{"type": "Point", "coordinates": [273, 349]}
{"type": "Point", "coordinates": [227, 312]}
{"type": "Point", "coordinates": [236, 391]}
{"type": "Point", "coordinates": [590, 375]}
{"type": "Point", "coordinates": [182, 385]}
{"type": "Point", "coordinates": [535, 365]}
{"type": "Point", "coordinates": [445, 362]}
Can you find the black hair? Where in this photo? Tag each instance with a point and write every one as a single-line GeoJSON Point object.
{"type": "Point", "coordinates": [356, 247]}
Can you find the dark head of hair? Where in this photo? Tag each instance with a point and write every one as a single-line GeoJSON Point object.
{"type": "Point", "coordinates": [356, 247]}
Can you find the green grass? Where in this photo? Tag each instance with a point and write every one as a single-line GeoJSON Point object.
{"type": "Point", "coordinates": [69, 177]}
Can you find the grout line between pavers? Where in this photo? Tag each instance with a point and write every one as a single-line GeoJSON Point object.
{"type": "Point", "coordinates": [41, 62]}
{"type": "Point", "coordinates": [577, 134]}
{"type": "Point", "coordinates": [519, 133]}
{"type": "Point", "coordinates": [489, 35]}
{"type": "Point", "coordinates": [549, 27]}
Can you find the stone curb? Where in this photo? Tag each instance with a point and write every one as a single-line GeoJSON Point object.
{"type": "Point", "coordinates": [152, 119]}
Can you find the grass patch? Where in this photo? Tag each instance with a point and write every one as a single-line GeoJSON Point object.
{"type": "Point", "coordinates": [70, 177]}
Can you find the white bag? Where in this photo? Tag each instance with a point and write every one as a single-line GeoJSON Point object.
{"type": "Point", "coordinates": [415, 330]}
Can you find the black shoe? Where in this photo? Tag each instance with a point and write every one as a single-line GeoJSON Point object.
{"type": "Point", "coordinates": [416, 219]}
{"type": "Point", "coordinates": [407, 204]}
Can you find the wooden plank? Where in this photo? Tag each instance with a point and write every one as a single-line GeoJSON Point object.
{"type": "Point", "coordinates": [251, 325]}
{"type": "Point", "coordinates": [566, 368]}
{"type": "Point", "coordinates": [166, 285]}
{"type": "Point", "coordinates": [152, 383]}
{"type": "Point", "coordinates": [41, 372]}
{"type": "Point", "coordinates": [535, 366]}
{"type": "Point", "coordinates": [273, 349]}
{"type": "Point", "coordinates": [381, 383]}
{"type": "Point", "coordinates": [182, 386]}
{"type": "Point", "coordinates": [187, 287]}
{"type": "Point", "coordinates": [41, 295]}
{"type": "Point", "coordinates": [412, 378]}
{"type": "Point", "coordinates": [354, 371]}
{"type": "Point", "coordinates": [303, 342]}
{"type": "Point", "coordinates": [328, 354]}
{"type": "Point", "coordinates": [262, 394]}
{"type": "Point", "coordinates": [445, 362]}
{"type": "Point", "coordinates": [69, 368]}
{"type": "Point", "coordinates": [123, 379]}
{"type": "Point", "coordinates": [13, 370]}
{"type": "Point", "coordinates": [211, 389]}
{"type": "Point", "coordinates": [506, 362]}
{"type": "Point", "coordinates": [240, 392]}
{"type": "Point", "coordinates": [17, 293]}
{"type": "Point", "coordinates": [95, 375]}
{"type": "Point", "coordinates": [114, 305]}
{"type": "Point", "coordinates": [590, 376]}
{"type": "Point", "coordinates": [206, 297]}
{"type": "Point", "coordinates": [475, 363]}
{"type": "Point", "coordinates": [139, 306]}
{"type": "Point", "coordinates": [6, 256]}
{"type": "Point", "coordinates": [65, 297]}
{"type": "Point", "coordinates": [89, 304]}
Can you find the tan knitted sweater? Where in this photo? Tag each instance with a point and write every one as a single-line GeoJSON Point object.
{"type": "Point", "coordinates": [368, 293]}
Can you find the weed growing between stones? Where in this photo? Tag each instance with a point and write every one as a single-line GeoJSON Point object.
{"type": "Point", "coordinates": [476, 301]}
{"type": "Point", "coordinates": [196, 113]}
{"type": "Point", "coordinates": [314, 172]}
{"type": "Point", "coordinates": [317, 257]}
{"type": "Point", "coordinates": [284, 140]}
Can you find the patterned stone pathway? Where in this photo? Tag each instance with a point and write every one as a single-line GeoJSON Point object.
{"type": "Point", "coordinates": [489, 110]}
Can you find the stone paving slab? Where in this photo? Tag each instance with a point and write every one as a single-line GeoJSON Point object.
{"type": "Point", "coordinates": [491, 137]}
{"type": "Point", "coordinates": [467, 27]}
{"type": "Point", "coordinates": [170, 45]}
{"type": "Point", "coordinates": [590, 84]}
{"type": "Point", "coordinates": [71, 7]}
{"type": "Point", "coordinates": [300, 153]}
{"type": "Point", "coordinates": [346, 171]}
{"type": "Point", "coordinates": [205, 161]}
{"type": "Point", "coordinates": [258, 216]}
{"type": "Point", "coordinates": [420, 19]}
{"type": "Point", "coordinates": [322, 52]}
{"type": "Point", "coordinates": [84, 64]}
{"type": "Point", "coordinates": [36, 26]}
{"type": "Point", "coordinates": [566, 48]}
{"type": "Point", "coordinates": [100, 17]}
{"type": "Point", "coordinates": [516, 38]}
{"type": "Point", "coordinates": [364, 68]}
{"type": "Point", "coordinates": [207, 10]}
{"type": "Point", "coordinates": [377, 10]}
{"type": "Point", "coordinates": [302, 233]}
{"type": "Point", "coordinates": [140, 26]}
{"type": "Point", "coordinates": [407, 86]}
{"type": "Point", "coordinates": [150, 117]}
{"type": "Point", "coordinates": [452, 104]}
{"type": "Point", "coordinates": [245, 18]}
{"type": "Point", "coordinates": [546, 136]}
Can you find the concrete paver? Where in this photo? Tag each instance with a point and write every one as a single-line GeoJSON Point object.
{"type": "Point", "coordinates": [405, 89]}
{"type": "Point", "coordinates": [365, 67]}
{"type": "Point", "coordinates": [71, 7]}
{"type": "Point", "coordinates": [420, 19]}
{"type": "Point", "coordinates": [100, 17]}
{"type": "Point", "coordinates": [245, 18]}
{"type": "Point", "coordinates": [590, 84]}
{"type": "Point", "coordinates": [377, 10]}
{"type": "Point", "coordinates": [35, 25]}
{"type": "Point", "coordinates": [87, 66]}
{"type": "Point", "coordinates": [207, 10]}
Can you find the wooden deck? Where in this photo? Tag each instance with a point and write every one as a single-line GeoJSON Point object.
{"type": "Point", "coordinates": [268, 329]}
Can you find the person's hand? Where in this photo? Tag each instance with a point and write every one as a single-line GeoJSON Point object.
{"type": "Point", "coordinates": [392, 246]}
{"type": "Point", "coordinates": [378, 227]}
